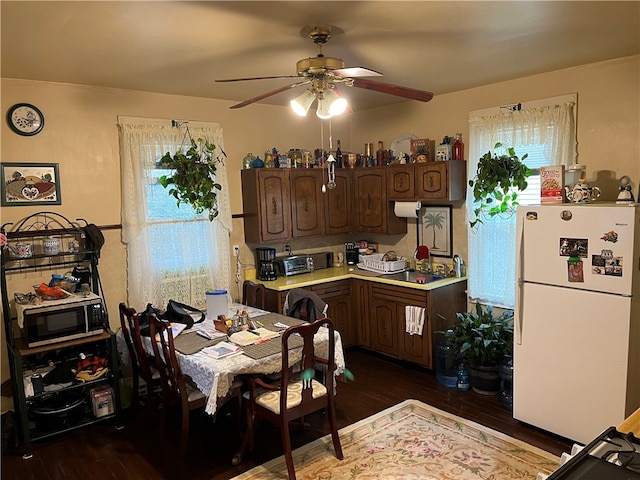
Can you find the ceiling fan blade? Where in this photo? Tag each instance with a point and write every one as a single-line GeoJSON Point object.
{"type": "Point", "coordinates": [254, 78]}
{"type": "Point", "coordinates": [269, 94]}
{"type": "Point", "coordinates": [413, 94]}
{"type": "Point", "coordinates": [356, 72]}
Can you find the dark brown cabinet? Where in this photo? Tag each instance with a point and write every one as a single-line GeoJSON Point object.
{"type": "Point", "coordinates": [266, 203]}
{"type": "Point", "coordinates": [430, 181]}
{"type": "Point", "coordinates": [388, 319]}
{"type": "Point", "coordinates": [373, 210]}
{"type": "Point", "coordinates": [338, 205]}
{"type": "Point", "coordinates": [307, 211]}
{"type": "Point", "coordinates": [339, 298]}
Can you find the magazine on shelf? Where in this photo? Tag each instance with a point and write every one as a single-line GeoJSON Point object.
{"type": "Point", "coordinates": [222, 349]}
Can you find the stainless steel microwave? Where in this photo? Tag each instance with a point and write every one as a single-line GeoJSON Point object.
{"type": "Point", "coordinates": [60, 320]}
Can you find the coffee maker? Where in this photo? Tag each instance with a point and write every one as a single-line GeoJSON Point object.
{"type": "Point", "coordinates": [266, 263]}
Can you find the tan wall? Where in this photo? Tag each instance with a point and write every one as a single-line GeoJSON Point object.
{"type": "Point", "coordinates": [80, 135]}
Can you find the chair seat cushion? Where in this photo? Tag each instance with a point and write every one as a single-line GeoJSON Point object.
{"type": "Point", "coordinates": [193, 393]}
{"type": "Point", "coordinates": [271, 400]}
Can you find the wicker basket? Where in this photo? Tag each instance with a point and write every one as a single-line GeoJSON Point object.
{"type": "Point", "coordinates": [376, 263]}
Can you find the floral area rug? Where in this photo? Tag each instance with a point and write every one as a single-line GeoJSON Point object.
{"type": "Point", "coordinates": [413, 441]}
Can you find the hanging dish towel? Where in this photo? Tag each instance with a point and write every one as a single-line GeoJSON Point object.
{"type": "Point", "coordinates": [414, 319]}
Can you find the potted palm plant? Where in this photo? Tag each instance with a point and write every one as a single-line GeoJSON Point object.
{"type": "Point", "coordinates": [498, 180]}
{"type": "Point", "coordinates": [484, 339]}
{"type": "Point", "coordinates": [193, 176]}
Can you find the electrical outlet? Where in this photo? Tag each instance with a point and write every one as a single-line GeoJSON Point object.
{"type": "Point", "coordinates": [236, 250]}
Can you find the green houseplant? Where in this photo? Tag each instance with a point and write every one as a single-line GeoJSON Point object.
{"type": "Point", "coordinates": [498, 180]}
{"type": "Point", "coordinates": [484, 339]}
{"type": "Point", "coordinates": [193, 176]}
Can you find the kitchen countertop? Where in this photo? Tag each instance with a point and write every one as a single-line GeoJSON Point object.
{"type": "Point", "coordinates": [347, 272]}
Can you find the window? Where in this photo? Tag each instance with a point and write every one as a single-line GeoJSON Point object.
{"type": "Point", "coordinates": [546, 131]}
{"type": "Point", "coordinates": [172, 252]}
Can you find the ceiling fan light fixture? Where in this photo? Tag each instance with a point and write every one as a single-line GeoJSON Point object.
{"type": "Point", "coordinates": [337, 103]}
{"type": "Point", "coordinates": [323, 111]}
{"type": "Point", "coordinates": [301, 104]}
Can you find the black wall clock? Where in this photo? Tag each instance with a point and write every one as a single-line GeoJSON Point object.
{"type": "Point", "coordinates": [25, 119]}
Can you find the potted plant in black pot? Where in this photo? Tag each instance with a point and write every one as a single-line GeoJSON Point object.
{"type": "Point", "coordinates": [496, 184]}
{"type": "Point", "coordinates": [484, 339]}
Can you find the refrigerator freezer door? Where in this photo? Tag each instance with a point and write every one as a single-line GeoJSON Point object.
{"type": "Point", "coordinates": [570, 371]}
{"type": "Point", "coordinates": [602, 237]}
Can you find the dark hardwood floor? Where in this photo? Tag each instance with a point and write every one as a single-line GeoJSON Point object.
{"type": "Point", "coordinates": [135, 452]}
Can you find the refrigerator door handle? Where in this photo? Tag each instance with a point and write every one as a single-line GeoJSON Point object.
{"type": "Point", "coordinates": [519, 312]}
{"type": "Point", "coordinates": [519, 275]}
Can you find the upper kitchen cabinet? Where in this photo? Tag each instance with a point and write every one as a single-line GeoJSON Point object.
{"type": "Point", "coordinates": [373, 210]}
{"type": "Point", "coordinates": [266, 202]}
{"type": "Point", "coordinates": [431, 181]}
{"type": "Point", "coordinates": [307, 212]}
{"type": "Point", "coordinates": [338, 206]}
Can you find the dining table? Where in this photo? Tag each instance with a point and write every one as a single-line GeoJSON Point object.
{"type": "Point", "coordinates": [215, 376]}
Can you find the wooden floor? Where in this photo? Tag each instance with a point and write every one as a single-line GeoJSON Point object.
{"type": "Point", "coordinates": [135, 452]}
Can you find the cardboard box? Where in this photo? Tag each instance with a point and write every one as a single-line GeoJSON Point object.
{"type": "Point", "coordinates": [421, 150]}
{"type": "Point", "coordinates": [552, 184]}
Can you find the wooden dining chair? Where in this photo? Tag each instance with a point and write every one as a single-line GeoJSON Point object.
{"type": "Point", "coordinates": [177, 389]}
{"type": "Point", "coordinates": [142, 364]}
{"type": "Point", "coordinates": [297, 394]}
{"type": "Point", "coordinates": [254, 294]}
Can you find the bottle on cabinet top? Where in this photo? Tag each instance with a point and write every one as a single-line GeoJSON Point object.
{"type": "Point", "coordinates": [458, 148]}
{"type": "Point", "coordinates": [381, 154]}
{"type": "Point", "coordinates": [339, 162]}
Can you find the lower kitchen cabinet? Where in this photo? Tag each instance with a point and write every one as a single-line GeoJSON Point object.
{"type": "Point", "coordinates": [387, 319]}
{"type": "Point", "coordinates": [372, 315]}
{"type": "Point", "coordinates": [338, 297]}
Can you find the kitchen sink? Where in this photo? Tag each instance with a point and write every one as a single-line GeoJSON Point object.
{"type": "Point", "coordinates": [411, 277]}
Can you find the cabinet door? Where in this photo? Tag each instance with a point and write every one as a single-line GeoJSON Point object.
{"type": "Point", "coordinates": [307, 212]}
{"type": "Point", "coordinates": [384, 326]}
{"type": "Point", "coordinates": [415, 348]}
{"type": "Point", "coordinates": [431, 181]}
{"type": "Point", "coordinates": [338, 205]}
{"type": "Point", "coordinates": [400, 182]}
{"type": "Point", "coordinates": [441, 180]}
{"type": "Point", "coordinates": [266, 204]}
{"type": "Point", "coordinates": [361, 313]}
{"type": "Point", "coordinates": [374, 213]}
{"type": "Point", "coordinates": [338, 297]}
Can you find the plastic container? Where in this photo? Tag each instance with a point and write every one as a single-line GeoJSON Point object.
{"type": "Point", "coordinates": [446, 364]}
{"type": "Point", "coordinates": [217, 303]}
{"type": "Point", "coordinates": [506, 383]}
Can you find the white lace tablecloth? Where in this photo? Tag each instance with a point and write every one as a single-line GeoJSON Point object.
{"type": "Point", "coordinates": [214, 377]}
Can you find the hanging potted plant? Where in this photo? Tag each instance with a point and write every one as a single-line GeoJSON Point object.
{"type": "Point", "coordinates": [483, 339]}
{"type": "Point", "coordinates": [193, 176]}
{"type": "Point", "coordinates": [498, 180]}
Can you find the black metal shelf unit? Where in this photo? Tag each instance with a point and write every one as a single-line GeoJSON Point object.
{"type": "Point", "coordinates": [75, 248]}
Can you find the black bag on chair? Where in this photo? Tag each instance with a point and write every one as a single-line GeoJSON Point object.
{"type": "Point", "coordinates": [180, 313]}
{"type": "Point", "coordinates": [143, 319]}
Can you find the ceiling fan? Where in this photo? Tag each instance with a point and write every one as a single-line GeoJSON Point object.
{"type": "Point", "coordinates": [322, 74]}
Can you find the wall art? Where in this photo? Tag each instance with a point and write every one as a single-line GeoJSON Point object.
{"type": "Point", "coordinates": [30, 184]}
{"type": "Point", "coordinates": [436, 230]}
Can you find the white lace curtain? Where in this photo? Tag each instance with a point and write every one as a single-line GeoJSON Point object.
{"type": "Point", "coordinates": [492, 259]}
{"type": "Point", "coordinates": [170, 255]}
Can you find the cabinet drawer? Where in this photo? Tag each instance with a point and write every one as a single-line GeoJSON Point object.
{"type": "Point", "coordinates": [332, 289]}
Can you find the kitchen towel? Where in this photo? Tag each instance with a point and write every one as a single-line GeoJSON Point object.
{"type": "Point", "coordinates": [414, 319]}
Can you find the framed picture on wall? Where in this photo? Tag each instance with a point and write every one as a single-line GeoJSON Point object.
{"type": "Point", "coordinates": [30, 184]}
{"type": "Point", "coordinates": [436, 230]}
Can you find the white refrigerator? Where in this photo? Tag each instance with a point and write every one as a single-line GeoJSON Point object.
{"type": "Point", "coordinates": [577, 317]}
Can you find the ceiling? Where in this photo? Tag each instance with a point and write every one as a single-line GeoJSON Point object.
{"type": "Point", "coordinates": [182, 47]}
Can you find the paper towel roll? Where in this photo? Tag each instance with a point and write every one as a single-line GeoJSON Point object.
{"type": "Point", "coordinates": [407, 209]}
